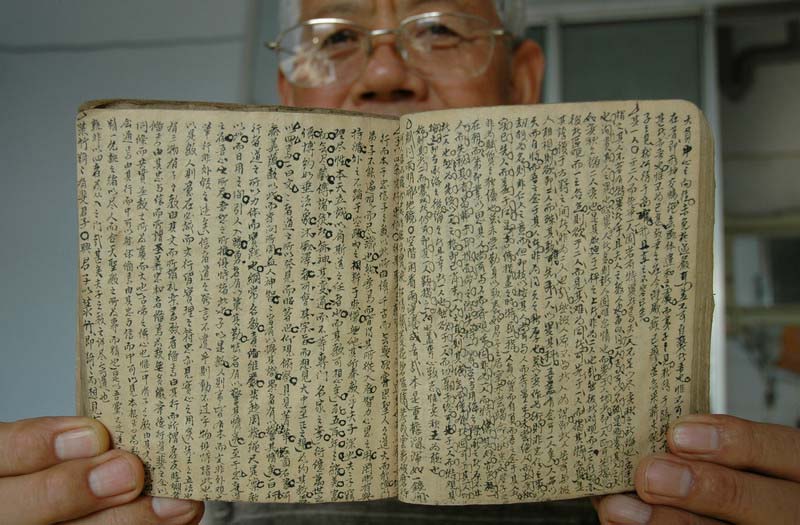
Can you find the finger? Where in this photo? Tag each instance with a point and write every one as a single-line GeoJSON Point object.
{"type": "Point", "coordinates": [71, 489]}
{"type": "Point", "coordinates": [30, 445]}
{"type": "Point", "coordinates": [737, 443]}
{"type": "Point", "coordinates": [622, 509]}
{"type": "Point", "coordinates": [148, 511]}
{"type": "Point", "coordinates": [716, 491]}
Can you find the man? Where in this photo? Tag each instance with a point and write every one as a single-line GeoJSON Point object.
{"type": "Point", "coordinates": [719, 469]}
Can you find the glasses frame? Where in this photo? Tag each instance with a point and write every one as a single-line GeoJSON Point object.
{"type": "Point", "coordinates": [371, 34]}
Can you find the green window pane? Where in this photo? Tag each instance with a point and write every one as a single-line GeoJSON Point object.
{"type": "Point", "coordinates": [539, 35]}
{"type": "Point", "coordinates": [652, 59]}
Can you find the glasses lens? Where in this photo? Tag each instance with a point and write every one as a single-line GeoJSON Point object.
{"type": "Point", "coordinates": [316, 54]}
{"type": "Point", "coordinates": [448, 46]}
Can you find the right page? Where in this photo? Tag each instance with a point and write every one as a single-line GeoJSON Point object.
{"type": "Point", "coordinates": [554, 282]}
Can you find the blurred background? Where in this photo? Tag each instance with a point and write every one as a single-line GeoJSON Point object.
{"type": "Point", "coordinates": [737, 59]}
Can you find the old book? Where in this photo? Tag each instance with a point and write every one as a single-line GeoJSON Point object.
{"type": "Point", "coordinates": [486, 305]}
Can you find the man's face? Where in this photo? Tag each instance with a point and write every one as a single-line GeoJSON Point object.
{"type": "Point", "coordinates": [388, 86]}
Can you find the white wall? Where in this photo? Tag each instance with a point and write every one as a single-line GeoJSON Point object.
{"type": "Point", "coordinates": [53, 56]}
{"type": "Point", "coordinates": [761, 169]}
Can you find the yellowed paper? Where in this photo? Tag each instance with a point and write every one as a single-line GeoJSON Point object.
{"type": "Point", "coordinates": [263, 289]}
{"type": "Point", "coordinates": [554, 296]}
{"type": "Point", "coordinates": [237, 299]}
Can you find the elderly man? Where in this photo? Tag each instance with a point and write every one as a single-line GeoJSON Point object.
{"type": "Point", "coordinates": [719, 469]}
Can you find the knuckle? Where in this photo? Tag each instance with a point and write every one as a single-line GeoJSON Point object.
{"type": "Point", "coordinates": [59, 489]}
{"type": "Point", "coordinates": [727, 489]}
{"type": "Point", "coordinates": [744, 447]}
{"type": "Point", "coordinates": [26, 440]}
{"type": "Point", "coordinates": [672, 518]}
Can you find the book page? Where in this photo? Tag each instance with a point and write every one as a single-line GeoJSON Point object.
{"type": "Point", "coordinates": [237, 299]}
{"type": "Point", "coordinates": [554, 296]}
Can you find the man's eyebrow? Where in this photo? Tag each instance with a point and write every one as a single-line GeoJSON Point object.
{"type": "Point", "coordinates": [340, 10]}
{"type": "Point", "coordinates": [410, 5]}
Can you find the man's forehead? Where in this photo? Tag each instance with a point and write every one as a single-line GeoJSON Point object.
{"type": "Point", "coordinates": [348, 8]}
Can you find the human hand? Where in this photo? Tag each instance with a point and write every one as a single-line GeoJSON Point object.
{"type": "Point", "coordinates": [59, 469]}
{"type": "Point", "coordinates": [721, 469]}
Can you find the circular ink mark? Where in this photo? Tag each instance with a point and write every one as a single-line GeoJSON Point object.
{"type": "Point", "coordinates": [243, 244]}
{"type": "Point", "coordinates": [84, 236]}
{"type": "Point", "coordinates": [331, 135]}
{"type": "Point", "coordinates": [291, 439]}
{"type": "Point", "coordinates": [328, 234]}
{"type": "Point", "coordinates": [343, 397]}
{"type": "Point", "coordinates": [276, 299]}
{"type": "Point", "coordinates": [290, 483]}
{"type": "Point", "coordinates": [226, 195]}
{"type": "Point", "coordinates": [276, 472]}
{"type": "Point", "coordinates": [245, 139]}
{"type": "Point", "coordinates": [331, 179]}
{"type": "Point", "coordinates": [348, 216]}
{"type": "Point", "coordinates": [293, 380]}
{"type": "Point", "coordinates": [326, 437]}
{"type": "Point", "coordinates": [278, 376]}
{"type": "Point", "coordinates": [308, 446]}
{"type": "Point", "coordinates": [243, 339]}
{"type": "Point", "coordinates": [279, 198]}
{"type": "Point", "coordinates": [227, 312]}
{"type": "Point", "coordinates": [261, 328]}
{"type": "Point", "coordinates": [260, 383]}
{"type": "Point", "coordinates": [246, 199]}
{"type": "Point", "coordinates": [296, 156]}
{"type": "Point", "coordinates": [312, 221]}
{"type": "Point", "coordinates": [340, 471]}
{"type": "Point", "coordinates": [294, 329]}
{"type": "Point", "coordinates": [260, 268]}
{"type": "Point", "coordinates": [228, 252]}
{"type": "Point", "coordinates": [331, 148]}
{"type": "Point", "coordinates": [329, 161]}
{"type": "Point", "coordinates": [229, 138]}
{"type": "Point", "coordinates": [279, 164]}
{"type": "Point", "coordinates": [343, 314]}
{"type": "Point", "coordinates": [359, 452]}
{"type": "Point", "coordinates": [340, 444]}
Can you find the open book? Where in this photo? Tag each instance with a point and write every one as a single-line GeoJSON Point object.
{"type": "Point", "coordinates": [485, 305]}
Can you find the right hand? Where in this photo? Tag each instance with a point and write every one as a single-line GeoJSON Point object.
{"type": "Point", "coordinates": [60, 469]}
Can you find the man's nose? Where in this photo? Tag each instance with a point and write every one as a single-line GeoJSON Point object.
{"type": "Point", "coordinates": [386, 77]}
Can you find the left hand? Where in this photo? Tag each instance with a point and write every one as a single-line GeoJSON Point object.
{"type": "Point", "coordinates": [720, 469]}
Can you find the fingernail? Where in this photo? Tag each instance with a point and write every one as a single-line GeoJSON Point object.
{"type": "Point", "coordinates": [169, 508]}
{"type": "Point", "coordinates": [696, 437]}
{"type": "Point", "coordinates": [112, 478]}
{"type": "Point", "coordinates": [78, 443]}
{"type": "Point", "coordinates": [627, 510]}
{"type": "Point", "coordinates": [665, 478]}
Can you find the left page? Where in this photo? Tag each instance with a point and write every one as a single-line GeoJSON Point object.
{"type": "Point", "coordinates": [237, 295]}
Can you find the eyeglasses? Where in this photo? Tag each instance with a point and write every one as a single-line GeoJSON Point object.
{"type": "Point", "coordinates": [446, 46]}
